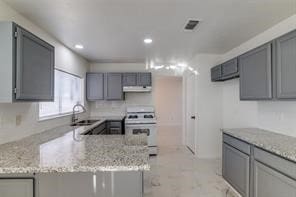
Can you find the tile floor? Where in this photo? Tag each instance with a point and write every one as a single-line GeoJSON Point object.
{"type": "Point", "coordinates": [176, 172]}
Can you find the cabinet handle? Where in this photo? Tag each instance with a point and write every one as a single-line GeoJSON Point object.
{"type": "Point", "coordinates": [193, 117]}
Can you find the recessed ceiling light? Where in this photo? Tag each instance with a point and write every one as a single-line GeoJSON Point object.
{"type": "Point", "coordinates": [79, 46]}
{"type": "Point", "coordinates": [148, 41]}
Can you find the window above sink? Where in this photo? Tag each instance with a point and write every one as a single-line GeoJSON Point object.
{"type": "Point", "coordinates": [68, 92]}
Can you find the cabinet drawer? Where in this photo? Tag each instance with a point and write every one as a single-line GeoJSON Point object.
{"type": "Point", "coordinates": [238, 144]}
{"type": "Point", "coordinates": [286, 167]}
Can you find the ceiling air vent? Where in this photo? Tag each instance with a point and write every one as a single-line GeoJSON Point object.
{"type": "Point", "coordinates": [191, 24]}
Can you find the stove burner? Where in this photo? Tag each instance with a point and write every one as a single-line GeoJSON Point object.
{"type": "Point", "coordinates": [132, 116]}
{"type": "Point", "coordinates": [148, 116]}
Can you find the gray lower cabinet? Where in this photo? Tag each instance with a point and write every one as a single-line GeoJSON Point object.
{"type": "Point", "coordinates": [285, 66]}
{"type": "Point", "coordinates": [27, 65]}
{"type": "Point", "coordinates": [115, 127]}
{"type": "Point", "coordinates": [113, 86]}
{"type": "Point", "coordinates": [94, 86]}
{"type": "Point", "coordinates": [270, 183]}
{"type": "Point", "coordinates": [100, 184]}
{"type": "Point", "coordinates": [17, 187]}
{"type": "Point", "coordinates": [256, 74]}
{"type": "Point", "coordinates": [236, 169]}
{"type": "Point", "coordinates": [258, 174]}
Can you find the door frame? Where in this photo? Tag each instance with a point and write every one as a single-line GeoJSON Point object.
{"type": "Point", "coordinates": [185, 76]}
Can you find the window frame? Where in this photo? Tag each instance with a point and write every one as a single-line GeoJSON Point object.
{"type": "Point", "coordinates": [60, 115]}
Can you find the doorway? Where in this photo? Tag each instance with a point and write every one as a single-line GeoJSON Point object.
{"type": "Point", "coordinates": [169, 110]}
{"type": "Point", "coordinates": [190, 112]}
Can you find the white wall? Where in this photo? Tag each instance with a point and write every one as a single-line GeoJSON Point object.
{"type": "Point", "coordinates": [168, 100]}
{"type": "Point", "coordinates": [21, 119]}
{"type": "Point", "coordinates": [208, 108]}
{"type": "Point", "coordinates": [278, 116]}
{"type": "Point", "coordinates": [102, 108]}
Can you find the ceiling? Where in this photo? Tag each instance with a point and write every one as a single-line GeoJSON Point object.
{"type": "Point", "coordinates": [113, 30]}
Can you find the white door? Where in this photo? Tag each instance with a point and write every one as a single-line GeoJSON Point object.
{"type": "Point", "coordinates": [190, 112]}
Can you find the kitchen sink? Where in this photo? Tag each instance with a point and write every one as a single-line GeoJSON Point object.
{"type": "Point", "coordinates": [84, 123]}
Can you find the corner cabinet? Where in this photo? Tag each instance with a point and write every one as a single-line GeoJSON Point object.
{"type": "Point", "coordinates": [285, 66]}
{"type": "Point", "coordinates": [27, 66]}
{"type": "Point", "coordinates": [256, 74]}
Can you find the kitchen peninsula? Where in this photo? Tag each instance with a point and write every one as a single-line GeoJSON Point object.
{"type": "Point", "coordinates": [63, 163]}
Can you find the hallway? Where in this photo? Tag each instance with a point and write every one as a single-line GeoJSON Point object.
{"type": "Point", "coordinates": [175, 172]}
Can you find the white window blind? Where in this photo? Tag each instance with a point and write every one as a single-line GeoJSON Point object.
{"type": "Point", "coordinates": [68, 91]}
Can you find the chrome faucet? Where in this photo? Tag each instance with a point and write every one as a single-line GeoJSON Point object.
{"type": "Point", "coordinates": [74, 118]}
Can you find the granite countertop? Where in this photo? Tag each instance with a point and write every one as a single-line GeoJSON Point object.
{"type": "Point", "coordinates": [282, 145]}
{"type": "Point", "coordinates": [62, 150]}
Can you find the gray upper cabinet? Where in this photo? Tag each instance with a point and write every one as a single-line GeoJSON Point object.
{"type": "Point", "coordinates": [235, 169]}
{"type": "Point", "coordinates": [27, 65]}
{"type": "Point", "coordinates": [270, 183]}
{"type": "Point", "coordinates": [129, 79]}
{"type": "Point", "coordinates": [95, 86]}
{"type": "Point", "coordinates": [285, 66]}
{"type": "Point", "coordinates": [137, 79]}
{"type": "Point", "coordinates": [216, 73]}
{"type": "Point", "coordinates": [144, 79]}
{"type": "Point", "coordinates": [230, 69]}
{"type": "Point", "coordinates": [113, 86]}
{"type": "Point", "coordinates": [256, 74]}
{"type": "Point", "coordinates": [34, 67]}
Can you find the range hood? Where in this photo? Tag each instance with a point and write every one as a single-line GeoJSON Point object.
{"type": "Point", "coordinates": [137, 88]}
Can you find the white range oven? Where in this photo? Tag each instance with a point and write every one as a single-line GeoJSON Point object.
{"type": "Point", "coordinates": [139, 120]}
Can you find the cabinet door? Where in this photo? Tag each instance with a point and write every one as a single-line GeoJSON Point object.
{"type": "Point", "coordinates": [285, 63]}
{"type": "Point", "coordinates": [129, 79]}
{"type": "Point", "coordinates": [230, 69]}
{"type": "Point", "coordinates": [270, 183]}
{"type": "Point", "coordinates": [113, 86]}
{"type": "Point", "coordinates": [235, 169]}
{"type": "Point", "coordinates": [255, 74]}
{"type": "Point", "coordinates": [216, 73]}
{"type": "Point", "coordinates": [144, 79]}
{"type": "Point", "coordinates": [15, 187]}
{"type": "Point", "coordinates": [34, 68]}
{"type": "Point", "coordinates": [94, 86]}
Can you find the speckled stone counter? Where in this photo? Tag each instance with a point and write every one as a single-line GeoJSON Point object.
{"type": "Point", "coordinates": [63, 149]}
{"type": "Point", "coordinates": [282, 145]}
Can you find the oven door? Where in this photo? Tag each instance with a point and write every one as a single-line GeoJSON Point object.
{"type": "Point", "coordinates": [148, 129]}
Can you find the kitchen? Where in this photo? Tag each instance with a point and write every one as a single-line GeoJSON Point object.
{"type": "Point", "coordinates": [149, 111]}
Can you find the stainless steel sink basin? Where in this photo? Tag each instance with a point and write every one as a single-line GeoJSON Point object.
{"type": "Point", "coordinates": [84, 123]}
